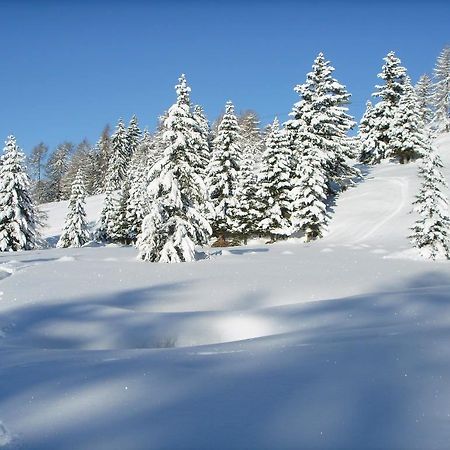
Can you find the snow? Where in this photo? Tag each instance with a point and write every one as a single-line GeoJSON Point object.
{"type": "Point", "coordinates": [339, 343]}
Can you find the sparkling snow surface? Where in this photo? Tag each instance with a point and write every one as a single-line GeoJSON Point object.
{"type": "Point", "coordinates": [343, 343]}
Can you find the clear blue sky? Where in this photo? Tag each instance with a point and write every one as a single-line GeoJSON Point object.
{"type": "Point", "coordinates": [70, 67]}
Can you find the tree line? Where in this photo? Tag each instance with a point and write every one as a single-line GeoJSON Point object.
{"type": "Point", "coordinates": [173, 190]}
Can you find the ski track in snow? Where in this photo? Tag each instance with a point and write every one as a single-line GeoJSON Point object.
{"type": "Point", "coordinates": [402, 183]}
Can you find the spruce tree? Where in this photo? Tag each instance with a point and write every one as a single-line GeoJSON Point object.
{"type": "Point", "coordinates": [133, 136]}
{"type": "Point", "coordinates": [309, 195]}
{"type": "Point", "coordinates": [138, 205]}
{"type": "Point", "coordinates": [409, 139]}
{"type": "Point", "coordinates": [430, 233]}
{"type": "Point", "coordinates": [118, 230]}
{"type": "Point", "coordinates": [441, 92]}
{"type": "Point", "coordinates": [423, 90]}
{"type": "Point", "coordinates": [223, 174]}
{"type": "Point", "coordinates": [252, 144]}
{"type": "Point", "coordinates": [204, 142]}
{"type": "Point", "coordinates": [76, 232]}
{"type": "Point", "coordinates": [366, 135]}
{"type": "Point", "coordinates": [118, 165]}
{"type": "Point", "coordinates": [175, 225]}
{"type": "Point", "coordinates": [106, 222]}
{"type": "Point", "coordinates": [320, 120]}
{"type": "Point", "coordinates": [275, 184]}
{"type": "Point", "coordinates": [383, 128]}
{"type": "Point", "coordinates": [18, 216]}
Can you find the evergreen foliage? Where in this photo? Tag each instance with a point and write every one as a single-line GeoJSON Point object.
{"type": "Point", "coordinates": [18, 215]}
{"type": "Point", "coordinates": [430, 233]}
{"type": "Point", "coordinates": [175, 225]}
{"type": "Point", "coordinates": [76, 232]}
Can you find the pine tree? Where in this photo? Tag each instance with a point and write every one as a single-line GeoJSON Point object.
{"type": "Point", "coordinates": [423, 91]}
{"type": "Point", "coordinates": [133, 136]}
{"type": "Point", "coordinates": [309, 195]}
{"type": "Point", "coordinates": [223, 174]}
{"type": "Point", "coordinates": [430, 233]}
{"type": "Point", "coordinates": [382, 116]}
{"type": "Point", "coordinates": [247, 208]}
{"type": "Point", "coordinates": [118, 165]}
{"type": "Point", "coordinates": [368, 149]}
{"type": "Point", "coordinates": [409, 139]}
{"type": "Point", "coordinates": [204, 143]}
{"type": "Point", "coordinates": [320, 120]}
{"type": "Point", "coordinates": [138, 204]}
{"type": "Point", "coordinates": [118, 230]}
{"type": "Point", "coordinates": [76, 232]}
{"type": "Point", "coordinates": [18, 216]}
{"type": "Point", "coordinates": [441, 92]}
{"type": "Point", "coordinates": [175, 225]}
{"type": "Point", "coordinates": [275, 184]}
{"type": "Point", "coordinates": [106, 221]}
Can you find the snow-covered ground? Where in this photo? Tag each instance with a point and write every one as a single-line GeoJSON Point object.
{"type": "Point", "coordinates": [343, 343]}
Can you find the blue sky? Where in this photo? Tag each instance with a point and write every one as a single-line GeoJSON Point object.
{"type": "Point", "coordinates": [69, 68]}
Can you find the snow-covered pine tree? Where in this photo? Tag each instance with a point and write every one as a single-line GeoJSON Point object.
{"type": "Point", "coordinates": [441, 92]}
{"type": "Point", "coordinates": [382, 131]}
{"type": "Point", "coordinates": [423, 91]}
{"type": "Point", "coordinates": [204, 144]}
{"type": "Point", "coordinates": [76, 232]}
{"type": "Point", "coordinates": [175, 225]}
{"type": "Point", "coordinates": [309, 194]}
{"type": "Point", "coordinates": [320, 120]}
{"type": "Point", "coordinates": [138, 205]}
{"type": "Point", "coordinates": [118, 165]}
{"type": "Point", "coordinates": [106, 221]}
{"type": "Point", "coordinates": [366, 135]}
{"type": "Point", "coordinates": [133, 136]}
{"type": "Point", "coordinates": [18, 215]}
{"type": "Point", "coordinates": [275, 184]}
{"type": "Point", "coordinates": [119, 226]}
{"type": "Point", "coordinates": [247, 210]}
{"type": "Point", "coordinates": [223, 174]}
{"type": "Point", "coordinates": [409, 140]}
{"type": "Point", "coordinates": [431, 232]}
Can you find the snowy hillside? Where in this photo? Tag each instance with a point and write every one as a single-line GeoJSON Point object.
{"type": "Point", "coordinates": [343, 343]}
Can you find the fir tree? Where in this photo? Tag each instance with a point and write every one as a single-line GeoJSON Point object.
{"type": "Point", "coordinates": [223, 174]}
{"type": "Point", "coordinates": [118, 165]}
{"type": "Point", "coordinates": [275, 184]}
{"type": "Point", "coordinates": [423, 91]}
{"type": "Point", "coordinates": [320, 120]}
{"type": "Point", "coordinates": [309, 196]}
{"type": "Point", "coordinates": [368, 149]}
{"type": "Point", "coordinates": [137, 206]}
{"type": "Point", "coordinates": [133, 136]}
{"type": "Point", "coordinates": [441, 92]}
{"type": "Point", "coordinates": [204, 143]}
{"type": "Point", "coordinates": [175, 224]}
{"type": "Point", "coordinates": [430, 233]}
{"type": "Point", "coordinates": [119, 227]}
{"type": "Point", "coordinates": [390, 93]}
{"type": "Point", "coordinates": [18, 216]}
{"type": "Point", "coordinates": [56, 170]}
{"type": "Point", "coordinates": [409, 139]}
{"type": "Point", "coordinates": [106, 221]}
{"type": "Point", "coordinates": [76, 232]}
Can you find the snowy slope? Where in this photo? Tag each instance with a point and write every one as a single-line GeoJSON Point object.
{"type": "Point", "coordinates": [342, 343]}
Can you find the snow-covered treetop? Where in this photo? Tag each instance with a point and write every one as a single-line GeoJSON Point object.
{"type": "Point", "coordinates": [394, 75]}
